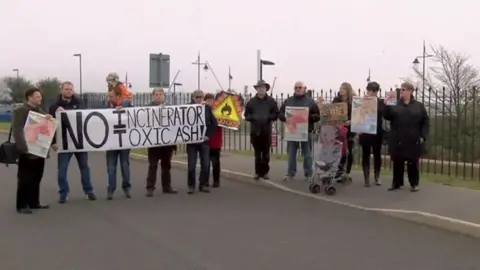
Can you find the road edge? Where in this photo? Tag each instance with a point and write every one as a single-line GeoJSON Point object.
{"type": "Point", "coordinates": [423, 218]}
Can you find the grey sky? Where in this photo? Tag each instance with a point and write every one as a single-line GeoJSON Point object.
{"type": "Point", "coordinates": [316, 41]}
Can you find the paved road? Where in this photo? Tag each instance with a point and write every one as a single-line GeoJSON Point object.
{"type": "Point", "coordinates": [239, 226]}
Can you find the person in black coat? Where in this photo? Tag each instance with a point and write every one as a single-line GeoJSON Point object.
{"type": "Point", "coordinates": [261, 111]}
{"type": "Point", "coordinates": [372, 143]}
{"type": "Point", "coordinates": [345, 95]}
{"type": "Point", "coordinates": [409, 127]}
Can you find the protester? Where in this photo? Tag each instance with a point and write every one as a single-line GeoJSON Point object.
{"type": "Point", "coordinates": [261, 111]}
{"type": "Point", "coordinates": [372, 143]}
{"type": "Point", "coordinates": [409, 128]}
{"type": "Point", "coordinates": [114, 155]}
{"type": "Point", "coordinates": [200, 149]}
{"type": "Point", "coordinates": [114, 84]}
{"type": "Point", "coordinates": [67, 100]}
{"type": "Point", "coordinates": [162, 153]}
{"type": "Point", "coordinates": [215, 143]}
{"type": "Point", "coordinates": [345, 94]}
{"type": "Point", "coordinates": [300, 99]}
{"type": "Point", "coordinates": [30, 167]}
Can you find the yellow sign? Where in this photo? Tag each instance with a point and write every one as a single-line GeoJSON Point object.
{"type": "Point", "coordinates": [228, 109]}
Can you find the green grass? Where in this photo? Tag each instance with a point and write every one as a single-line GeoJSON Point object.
{"type": "Point", "coordinates": [4, 125]}
{"type": "Point", "coordinates": [453, 181]}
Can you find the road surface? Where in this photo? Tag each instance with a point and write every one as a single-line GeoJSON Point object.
{"type": "Point", "coordinates": [238, 226]}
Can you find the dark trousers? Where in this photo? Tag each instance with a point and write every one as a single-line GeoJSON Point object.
{"type": "Point", "coordinates": [29, 175]}
{"type": "Point", "coordinates": [368, 148]}
{"type": "Point", "coordinates": [164, 155]}
{"type": "Point", "coordinates": [194, 151]}
{"type": "Point", "coordinates": [413, 172]}
{"type": "Point", "coordinates": [350, 145]}
{"type": "Point", "coordinates": [215, 161]}
{"type": "Point", "coordinates": [261, 147]}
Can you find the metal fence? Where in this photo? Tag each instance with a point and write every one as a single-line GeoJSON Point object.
{"type": "Point", "coordinates": [451, 147]}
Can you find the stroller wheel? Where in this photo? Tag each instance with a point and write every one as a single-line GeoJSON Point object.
{"type": "Point", "coordinates": [315, 188]}
{"type": "Point", "coordinates": [330, 190]}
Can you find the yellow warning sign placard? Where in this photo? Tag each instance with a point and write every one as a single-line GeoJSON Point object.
{"type": "Point", "coordinates": [228, 109]}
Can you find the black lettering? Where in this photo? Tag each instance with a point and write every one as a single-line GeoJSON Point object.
{"type": "Point", "coordinates": [131, 123]}
{"type": "Point", "coordinates": [200, 111]}
{"type": "Point", "coordinates": [85, 129]}
{"type": "Point", "coordinates": [67, 128]}
{"type": "Point", "coordinates": [170, 114]}
{"type": "Point", "coordinates": [137, 118]}
{"type": "Point", "coordinates": [162, 137]}
{"type": "Point", "coordinates": [147, 136]}
{"type": "Point", "coordinates": [119, 128]}
{"type": "Point", "coordinates": [191, 116]}
{"type": "Point", "coordinates": [182, 135]}
{"type": "Point", "coordinates": [138, 137]}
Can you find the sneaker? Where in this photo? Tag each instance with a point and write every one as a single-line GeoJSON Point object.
{"type": "Point", "coordinates": [266, 177]}
{"type": "Point", "coordinates": [25, 210]}
{"type": "Point", "coordinates": [91, 197]}
{"type": "Point", "coordinates": [149, 193]}
{"type": "Point", "coordinates": [126, 191]}
{"type": "Point", "coordinates": [414, 189]}
{"type": "Point", "coordinates": [216, 184]}
{"type": "Point", "coordinates": [110, 196]}
{"type": "Point", "coordinates": [378, 183]}
{"type": "Point", "coordinates": [191, 190]}
{"type": "Point", "coordinates": [308, 179]}
{"type": "Point", "coordinates": [62, 199]}
{"type": "Point", "coordinates": [287, 178]}
{"type": "Point", "coordinates": [256, 177]}
{"type": "Point", "coordinates": [204, 189]}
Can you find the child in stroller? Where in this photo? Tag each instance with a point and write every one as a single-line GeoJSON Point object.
{"type": "Point", "coordinates": [329, 168]}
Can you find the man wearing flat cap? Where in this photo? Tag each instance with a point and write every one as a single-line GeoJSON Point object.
{"type": "Point", "coordinates": [261, 111]}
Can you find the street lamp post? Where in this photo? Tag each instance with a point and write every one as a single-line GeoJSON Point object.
{"type": "Point", "coordinates": [79, 55]}
{"type": "Point", "coordinates": [175, 92]}
{"type": "Point", "coordinates": [199, 64]}
{"type": "Point", "coordinates": [416, 62]}
{"type": "Point", "coordinates": [264, 63]}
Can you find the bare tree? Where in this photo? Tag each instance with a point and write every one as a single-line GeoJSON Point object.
{"type": "Point", "coordinates": [451, 80]}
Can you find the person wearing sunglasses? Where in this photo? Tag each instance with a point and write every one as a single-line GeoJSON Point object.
{"type": "Point", "coordinates": [409, 128]}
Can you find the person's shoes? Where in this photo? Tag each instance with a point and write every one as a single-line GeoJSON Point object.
{"type": "Point", "coordinates": [204, 189]}
{"type": "Point", "coordinates": [308, 179]}
{"type": "Point", "coordinates": [366, 176]}
{"type": "Point", "coordinates": [110, 196]}
{"type": "Point", "coordinates": [287, 178]}
{"type": "Point", "coordinates": [216, 184]}
{"type": "Point", "coordinates": [377, 179]}
{"type": "Point", "coordinates": [266, 177]}
{"type": "Point", "coordinates": [40, 206]}
{"type": "Point", "coordinates": [126, 191]}
{"type": "Point", "coordinates": [414, 189]}
{"type": "Point", "coordinates": [207, 184]}
{"type": "Point", "coordinates": [170, 191]}
{"type": "Point", "coordinates": [149, 193]}
{"type": "Point", "coordinates": [25, 210]}
{"type": "Point", "coordinates": [191, 190]}
{"type": "Point", "coordinates": [62, 199]}
{"type": "Point", "coordinates": [256, 177]}
{"type": "Point", "coordinates": [91, 196]}
{"type": "Point", "coordinates": [393, 188]}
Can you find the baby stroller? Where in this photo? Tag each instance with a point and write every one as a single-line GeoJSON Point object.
{"type": "Point", "coordinates": [330, 165]}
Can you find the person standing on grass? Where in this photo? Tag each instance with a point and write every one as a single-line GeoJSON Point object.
{"type": "Point", "coordinates": [300, 99]}
{"type": "Point", "coordinates": [30, 167]}
{"type": "Point", "coordinates": [67, 100]}
{"type": "Point", "coordinates": [345, 94]}
{"type": "Point", "coordinates": [114, 155]}
{"type": "Point", "coordinates": [201, 149]}
{"type": "Point", "coordinates": [215, 143]}
{"type": "Point", "coordinates": [372, 143]}
{"type": "Point", "coordinates": [409, 128]}
{"type": "Point", "coordinates": [261, 111]}
{"type": "Point", "coordinates": [163, 154]}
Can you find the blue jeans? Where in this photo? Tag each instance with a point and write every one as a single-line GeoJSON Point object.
{"type": "Point", "coordinates": [62, 170]}
{"type": "Point", "coordinates": [193, 151]}
{"type": "Point", "coordinates": [112, 161]}
{"type": "Point", "coordinates": [292, 149]}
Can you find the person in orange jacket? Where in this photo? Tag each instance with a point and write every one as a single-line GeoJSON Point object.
{"type": "Point", "coordinates": [114, 84]}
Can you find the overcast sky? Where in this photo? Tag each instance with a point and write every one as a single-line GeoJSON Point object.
{"type": "Point", "coordinates": [320, 42]}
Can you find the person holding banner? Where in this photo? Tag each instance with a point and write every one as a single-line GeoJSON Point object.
{"type": "Point", "coordinates": [215, 147]}
{"type": "Point", "coordinates": [261, 111]}
{"type": "Point", "coordinates": [201, 149]}
{"type": "Point", "coordinates": [30, 167]}
{"type": "Point", "coordinates": [345, 95]}
{"type": "Point", "coordinates": [303, 139]}
{"type": "Point", "coordinates": [68, 101]}
{"type": "Point", "coordinates": [372, 143]}
{"type": "Point", "coordinates": [161, 153]}
{"type": "Point", "coordinates": [409, 128]}
{"type": "Point", "coordinates": [114, 155]}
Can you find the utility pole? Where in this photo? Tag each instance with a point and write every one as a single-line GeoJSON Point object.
{"type": "Point", "coordinates": [230, 78]}
{"type": "Point", "coordinates": [199, 64]}
{"type": "Point", "coordinates": [79, 55]}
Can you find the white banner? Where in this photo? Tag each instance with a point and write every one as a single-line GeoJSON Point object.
{"type": "Point", "coordinates": [126, 128]}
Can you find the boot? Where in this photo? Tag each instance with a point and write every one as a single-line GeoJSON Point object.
{"type": "Point", "coordinates": [366, 175]}
{"type": "Point", "coordinates": [377, 178]}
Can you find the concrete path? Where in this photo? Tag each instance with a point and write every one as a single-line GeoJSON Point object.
{"type": "Point", "coordinates": [238, 226]}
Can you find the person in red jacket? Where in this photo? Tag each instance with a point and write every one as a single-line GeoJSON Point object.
{"type": "Point", "coordinates": [215, 142]}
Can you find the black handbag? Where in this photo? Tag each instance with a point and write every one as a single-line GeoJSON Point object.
{"type": "Point", "coordinates": [8, 152]}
